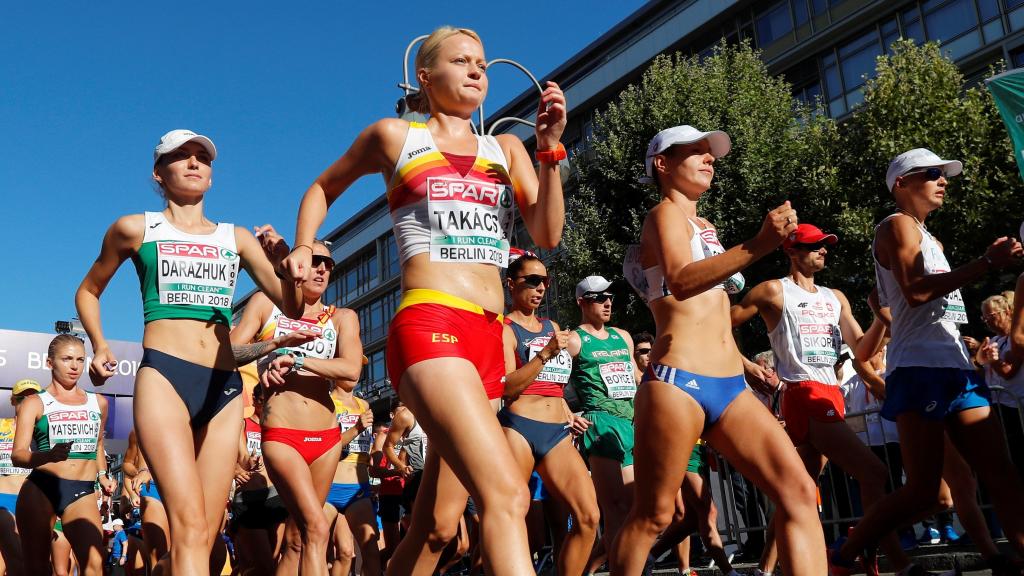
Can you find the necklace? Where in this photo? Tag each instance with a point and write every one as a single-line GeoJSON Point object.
{"type": "Point", "coordinates": [919, 223]}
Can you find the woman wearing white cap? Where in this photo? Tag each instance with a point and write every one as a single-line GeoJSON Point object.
{"type": "Point", "coordinates": [931, 386]}
{"type": "Point", "coordinates": [452, 196]}
{"type": "Point", "coordinates": [188, 403]}
{"type": "Point", "coordinates": [694, 387]}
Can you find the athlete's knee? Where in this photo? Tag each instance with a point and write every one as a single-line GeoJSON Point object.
{"type": "Point", "coordinates": [944, 501]}
{"type": "Point", "coordinates": [315, 530]}
{"type": "Point", "coordinates": [587, 517]}
{"type": "Point", "coordinates": [508, 497]}
{"type": "Point", "coordinates": [799, 493]}
{"type": "Point", "coordinates": [191, 531]}
{"type": "Point", "coordinates": [441, 534]}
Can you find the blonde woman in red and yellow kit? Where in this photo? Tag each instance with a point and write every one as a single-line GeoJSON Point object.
{"type": "Point", "coordinates": [452, 196]}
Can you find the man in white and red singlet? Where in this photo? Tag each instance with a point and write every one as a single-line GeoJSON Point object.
{"type": "Point", "coordinates": [807, 325]}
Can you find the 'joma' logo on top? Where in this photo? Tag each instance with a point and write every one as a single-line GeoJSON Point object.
{"type": "Point", "coordinates": [418, 151]}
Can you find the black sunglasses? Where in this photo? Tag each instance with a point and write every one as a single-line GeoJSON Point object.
{"type": "Point", "coordinates": [811, 247]}
{"type": "Point", "coordinates": [599, 298]}
{"type": "Point", "coordinates": [534, 280]}
{"type": "Point", "coordinates": [930, 174]}
{"type": "Point", "coordinates": [327, 261]}
{"type": "Point", "coordinates": [643, 351]}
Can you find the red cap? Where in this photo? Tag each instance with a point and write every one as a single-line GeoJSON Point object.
{"type": "Point", "coordinates": [808, 234]}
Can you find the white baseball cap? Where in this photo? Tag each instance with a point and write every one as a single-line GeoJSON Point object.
{"type": "Point", "coordinates": [117, 522]}
{"type": "Point", "coordinates": [176, 138]}
{"type": "Point", "coordinates": [685, 134]}
{"type": "Point", "coordinates": [919, 158]}
{"type": "Point", "coordinates": [592, 284]}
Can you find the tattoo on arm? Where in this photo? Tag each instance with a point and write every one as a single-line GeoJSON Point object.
{"type": "Point", "coordinates": [245, 353]}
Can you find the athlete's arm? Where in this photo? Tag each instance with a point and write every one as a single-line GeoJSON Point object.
{"type": "Point", "coordinates": [108, 484]}
{"type": "Point", "coordinates": [899, 246]}
{"type": "Point", "coordinates": [283, 292]}
{"type": "Point", "coordinates": [871, 343]}
{"type": "Point", "coordinates": [400, 424]}
{"type": "Point", "coordinates": [672, 231]}
{"type": "Point", "coordinates": [764, 299]}
{"type": "Point", "coordinates": [575, 344]}
{"type": "Point", "coordinates": [347, 365]}
{"type": "Point", "coordinates": [123, 238]}
{"type": "Point", "coordinates": [130, 454]}
{"type": "Point", "coordinates": [375, 470]}
{"type": "Point", "coordinates": [373, 152]}
{"type": "Point", "coordinates": [848, 325]}
{"type": "Point", "coordinates": [365, 421]}
{"type": "Point", "coordinates": [29, 411]}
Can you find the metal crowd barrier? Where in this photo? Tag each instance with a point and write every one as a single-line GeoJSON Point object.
{"type": "Point", "coordinates": [743, 510]}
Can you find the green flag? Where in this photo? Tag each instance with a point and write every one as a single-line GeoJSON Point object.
{"type": "Point", "coordinates": [1008, 90]}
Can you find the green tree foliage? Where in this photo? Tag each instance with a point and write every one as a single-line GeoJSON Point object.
{"type": "Point", "coordinates": [834, 174]}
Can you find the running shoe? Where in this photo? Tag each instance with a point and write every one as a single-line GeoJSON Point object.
{"type": "Point", "coordinates": [836, 565]}
{"type": "Point", "coordinates": [949, 535]}
{"type": "Point", "coordinates": [930, 536]}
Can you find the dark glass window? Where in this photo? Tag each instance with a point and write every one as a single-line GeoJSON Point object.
{"type": "Point", "coordinates": [951, 20]}
{"type": "Point", "coordinates": [989, 9]}
{"type": "Point", "coordinates": [773, 24]}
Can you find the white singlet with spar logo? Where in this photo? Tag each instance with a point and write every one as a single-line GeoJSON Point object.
{"type": "Point", "coordinates": [193, 270]}
{"type": "Point", "coordinates": [76, 425]}
{"type": "Point", "coordinates": [807, 339]}
{"type": "Point", "coordinates": [324, 346]}
{"type": "Point", "coordinates": [470, 220]}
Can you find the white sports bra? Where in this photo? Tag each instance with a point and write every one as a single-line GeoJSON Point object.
{"type": "Point", "coordinates": [703, 244]}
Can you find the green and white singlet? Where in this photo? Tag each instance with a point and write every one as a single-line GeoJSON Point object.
{"type": "Point", "coordinates": [603, 374]}
{"type": "Point", "coordinates": [62, 423]}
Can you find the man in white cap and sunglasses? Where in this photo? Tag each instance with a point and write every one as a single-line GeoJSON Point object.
{"type": "Point", "coordinates": [604, 377]}
{"type": "Point", "coordinates": [931, 386]}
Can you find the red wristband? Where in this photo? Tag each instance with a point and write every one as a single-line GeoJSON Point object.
{"type": "Point", "coordinates": [551, 156]}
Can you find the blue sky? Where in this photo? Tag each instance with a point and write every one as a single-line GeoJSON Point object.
{"type": "Point", "coordinates": [86, 90]}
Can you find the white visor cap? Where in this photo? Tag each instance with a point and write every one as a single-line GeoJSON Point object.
{"type": "Point", "coordinates": [919, 158]}
{"type": "Point", "coordinates": [685, 134]}
{"type": "Point", "coordinates": [177, 138]}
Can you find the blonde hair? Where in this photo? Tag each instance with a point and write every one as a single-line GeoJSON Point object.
{"type": "Point", "coordinates": [1002, 302]}
{"type": "Point", "coordinates": [426, 57]}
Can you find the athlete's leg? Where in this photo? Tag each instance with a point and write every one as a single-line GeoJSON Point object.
{"type": "Point", "coordinates": [363, 523]}
{"type": "Point", "coordinates": [63, 558]}
{"type": "Point", "coordinates": [82, 527]}
{"type": "Point", "coordinates": [448, 399]}
{"type": "Point", "coordinates": [291, 550]}
{"type": "Point", "coordinates": [10, 544]}
{"type": "Point", "coordinates": [155, 531]}
{"type": "Point", "coordinates": [35, 521]}
{"type": "Point", "coordinates": [841, 445]}
{"type": "Point", "coordinates": [255, 551]}
{"type": "Point", "coordinates": [216, 452]}
{"type": "Point", "coordinates": [344, 547]}
{"type": "Point", "coordinates": [963, 490]}
{"type": "Point", "coordinates": [921, 445]}
{"type": "Point", "coordinates": [697, 498]}
{"type": "Point", "coordinates": [165, 436]}
{"type": "Point", "coordinates": [978, 437]}
{"type": "Point", "coordinates": [814, 463]}
{"type": "Point", "coordinates": [434, 520]}
{"type": "Point", "coordinates": [304, 489]}
{"type": "Point", "coordinates": [667, 423]}
{"type": "Point", "coordinates": [768, 459]}
{"type": "Point", "coordinates": [566, 478]}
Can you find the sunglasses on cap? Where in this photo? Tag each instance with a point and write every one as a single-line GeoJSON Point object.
{"type": "Point", "coordinates": [811, 247]}
{"type": "Point", "coordinates": [534, 280]}
{"type": "Point", "coordinates": [930, 174]}
{"type": "Point", "coordinates": [600, 298]}
{"type": "Point", "coordinates": [327, 261]}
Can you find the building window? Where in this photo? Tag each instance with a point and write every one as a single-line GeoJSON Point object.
{"type": "Point", "coordinates": [774, 24]}
{"type": "Point", "coordinates": [392, 267]}
{"type": "Point", "coordinates": [1017, 56]}
{"type": "Point", "coordinates": [950, 19]}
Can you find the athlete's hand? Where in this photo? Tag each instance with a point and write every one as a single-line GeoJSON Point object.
{"type": "Point", "coordinates": [273, 244]}
{"type": "Point", "coordinates": [557, 343]}
{"type": "Point", "coordinates": [298, 264]}
{"type": "Point", "coordinates": [140, 480]}
{"type": "Point", "coordinates": [278, 369]}
{"type": "Point", "coordinates": [293, 339]}
{"type": "Point", "coordinates": [60, 452]}
{"type": "Point", "coordinates": [778, 225]}
{"type": "Point", "coordinates": [578, 425]}
{"type": "Point", "coordinates": [551, 116]}
{"type": "Point", "coordinates": [365, 420]}
{"type": "Point", "coordinates": [1004, 252]}
{"type": "Point", "coordinates": [102, 366]}
{"type": "Point", "coordinates": [242, 476]}
{"type": "Point", "coordinates": [877, 388]}
{"type": "Point", "coordinates": [108, 484]}
{"type": "Point", "coordinates": [764, 380]}
{"type": "Point", "coordinates": [988, 352]}
{"type": "Point", "coordinates": [406, 471]}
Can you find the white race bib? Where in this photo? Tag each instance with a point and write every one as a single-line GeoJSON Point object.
{"type": "Point", "coordinates": [618, 379]}
{"type": "Point", "coordinates": [558, 368]}
{"type": "Point", "coordinates": [254, 442]}
{"type": "Point", "coordinates": [326, 341]}
{"type": "Point", "coordinates": [195, 274]}
{"type": "Point", "coordinates": [79, 427]}
{"type": "Point", "coordinates": [470, 220]}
